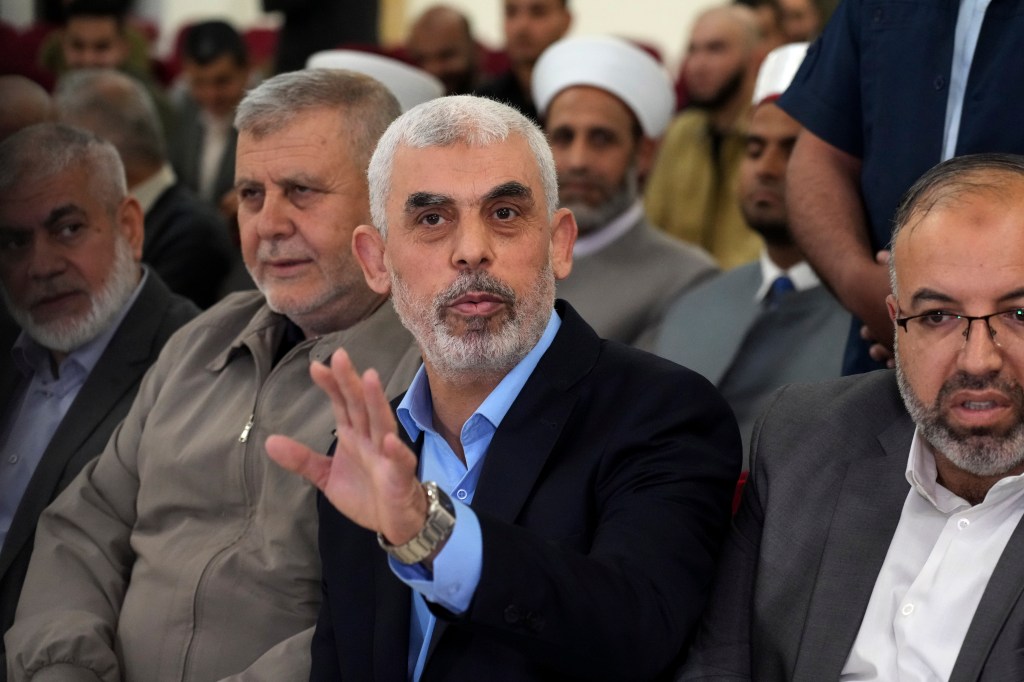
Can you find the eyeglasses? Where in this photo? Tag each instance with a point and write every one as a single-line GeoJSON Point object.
{"type": "Point", "coordinates": [1005, 327]}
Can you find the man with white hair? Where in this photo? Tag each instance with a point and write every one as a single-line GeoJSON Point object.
{"type": "Point", "coordinates": [605, 103]}
{"type": "Point", "coordinates": [181, 553]}
{"type": "Point", "coordinates": [575, 489]}
{"type": "Point", "coordinates": [91, 319]}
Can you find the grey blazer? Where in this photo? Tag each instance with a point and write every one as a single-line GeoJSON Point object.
{"type": "Point", "coordinates": [100, 406]}
{"type": "Point", "coordinates": [824, 498]}
{"type": "Point", "coordinates": [717, 329]}
{"type": "Point", "coordinates": [622, 290]}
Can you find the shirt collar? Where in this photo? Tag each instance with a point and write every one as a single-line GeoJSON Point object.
{"type": "Point", "coordinates": [415, 410]}
{"type": "Point", "coordinates": [32, 358]}
{"type": "Point", "coordinates": [150, 189]}
{"type": "Point", "coordinates": [801, 274]}
{"type": "Point", "coordinates": [603, 236]}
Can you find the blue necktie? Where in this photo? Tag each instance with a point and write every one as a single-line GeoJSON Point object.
{"type": "Point", "coordinates": [780, 287]}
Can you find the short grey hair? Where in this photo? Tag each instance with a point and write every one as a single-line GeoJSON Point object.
{"type": "Point", "coordinates": [446, 121]}
{"type": "Point", "coordinates": [116, 107]}
{"type": "Point", "coordinates": [46, 149]}
{"type": "Point", "coordinates": [365, 106]}
{"type": "Point", "coordinates": [947, 183]}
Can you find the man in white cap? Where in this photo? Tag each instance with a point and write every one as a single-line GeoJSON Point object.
{"type": "Point", "coordinates": [605, 103]}
{"type": "Point", "coordinates": [770, 322]}
{"type": "Point", "coordinates": [410, 85]}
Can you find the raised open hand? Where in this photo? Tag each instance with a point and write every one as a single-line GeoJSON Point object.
{"type": "Point", "coordinates": [372, 477]}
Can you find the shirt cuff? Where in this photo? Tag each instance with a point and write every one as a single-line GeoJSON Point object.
{"type": "Point", "coordinates": [456, 567]}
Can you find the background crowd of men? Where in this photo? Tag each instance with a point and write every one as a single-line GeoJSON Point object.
{"type": "Point", "coordinates": [437, 362]}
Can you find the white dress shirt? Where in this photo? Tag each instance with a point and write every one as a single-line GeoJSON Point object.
{"type": "Point", "coordinates": [938, 565]}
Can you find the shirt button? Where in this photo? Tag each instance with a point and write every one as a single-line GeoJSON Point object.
{"type": "Point", "coordinates": [963, 523]}
{"type": "Point", "coordinates": [939, 82]}
{"type": "Point", "coordinates": [13, 459]}
{"type": "Point", "coordinates": [907, 609]}
{"type": "Point", "coordinates": [461, 493]}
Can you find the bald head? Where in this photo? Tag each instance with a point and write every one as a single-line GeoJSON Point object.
{"type": "Point", "coordinates": [739, 21]}
{"type": "Point", "coordinates": [718, 70]}
{"type": "Point", "coordinates": [441, 43]}
{"type": "Point", "coordinates": [25, 103]}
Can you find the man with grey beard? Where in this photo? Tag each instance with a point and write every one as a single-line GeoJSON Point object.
{"type": "Point", "coordinates": [181, 552]}
{"type": "Point", "coordinates": [574, 491]}
{"type": "Point", "coordinates": [881, 543]}
{"type": "Point", "coordinates": [92, 321]}
{"type": "Point", "coordinates": [605, 103]}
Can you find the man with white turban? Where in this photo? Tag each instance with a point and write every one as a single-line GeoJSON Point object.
{"type": "Point", "coordinates": [605, 103]}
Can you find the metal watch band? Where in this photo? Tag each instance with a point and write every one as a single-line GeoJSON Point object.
{"type": "Point", "coordinates": [436, 529]}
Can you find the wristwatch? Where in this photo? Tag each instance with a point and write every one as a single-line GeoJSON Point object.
{"type": "Point", "coordinates": [437, 528]}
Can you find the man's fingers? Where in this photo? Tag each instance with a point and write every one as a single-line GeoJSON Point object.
{"type": "Point", "coordinates": [324, 378]}
{"type": "Point", "coordinates": [351, 388]}
{"type": "Point", "coordinates": [378, 409]}
{"type": "Point", "coordinates": [299, 459]}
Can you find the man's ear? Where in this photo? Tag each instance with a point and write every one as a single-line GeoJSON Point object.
{"type": "Point", "coordinates": [131, 223]}
{"type": "Point", "coordinates": [890, 303]}
{"type": "Point", "coordinates": [368, 247]}
{"type": "Point", "coordinates": [563, 238]}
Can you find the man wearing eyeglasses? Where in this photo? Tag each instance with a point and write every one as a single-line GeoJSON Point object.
{"type": "Point", "coordinates": [880, 536]}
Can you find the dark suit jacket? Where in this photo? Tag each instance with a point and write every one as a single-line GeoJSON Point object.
{"type": "Point", "coordinates": [186, 151]}
{"type": "Point", "coordinates": [825, 495]}
{"type": "Point", "coordinates": [602, 503]}
{"type": "Point", "coordinates": [100, 406]}
{"type": "Point", "coordinates": [187, 244]}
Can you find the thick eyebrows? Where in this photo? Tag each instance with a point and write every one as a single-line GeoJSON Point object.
{"type": "Point", "coordinates": [61, 212]}
{"type": "Point", "coordinates": [510, 190]}
{"type": "Point", "coordinates": [418, 200]}
{"type": "Point", "coordinates": [506, 190]}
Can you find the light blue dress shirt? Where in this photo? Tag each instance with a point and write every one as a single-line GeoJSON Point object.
{"type": "Point", "coordinates": [965, 40]}
{"type": "Point", "coordinates": [456, 569]}
{"type": "Point", "coordinates": [39, 406]}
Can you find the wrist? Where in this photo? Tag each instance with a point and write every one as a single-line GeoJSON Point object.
{"type": "Point", "coordinates": [439, 520]}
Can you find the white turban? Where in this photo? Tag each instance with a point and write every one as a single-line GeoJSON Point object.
{"type": "Point", "coordinates": [611, 64]}
{"type": "Point", "coordinates": [409, 85]}
{"type": "Point", "coordinates": [777, 71]}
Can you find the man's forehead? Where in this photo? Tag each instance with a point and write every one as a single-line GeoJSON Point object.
{"type": "Point", "coordinates": [464, 173]}
{"type": "Point", "coordinates": [559, 107]}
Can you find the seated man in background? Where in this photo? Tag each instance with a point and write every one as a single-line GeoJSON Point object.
{"type": "Point", "coordinates": [691, 192]}
{"type": "Point", "coordinates": [186, 242]}
{"type": "Point", "coordinates": [530, 27]}
{"type": "Point", "coordinates": [216, 65]}
{"type": "Point", "coordinates": [604, 104]}
{"type": "Point", "coordinates": [96, 35]}
{"type": "Point", "coordinates": [91, 323]}
{"type": "Point", "coordinates": [441, 43]}
{"type": "Point", "coordinates": [576, 490]}
{"type": "Point", "coordinates": [873, 544]}
{"type": "Point", "coordinates": [759, 326]}
{"type": "Point", "coordinates": [181, 552]}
